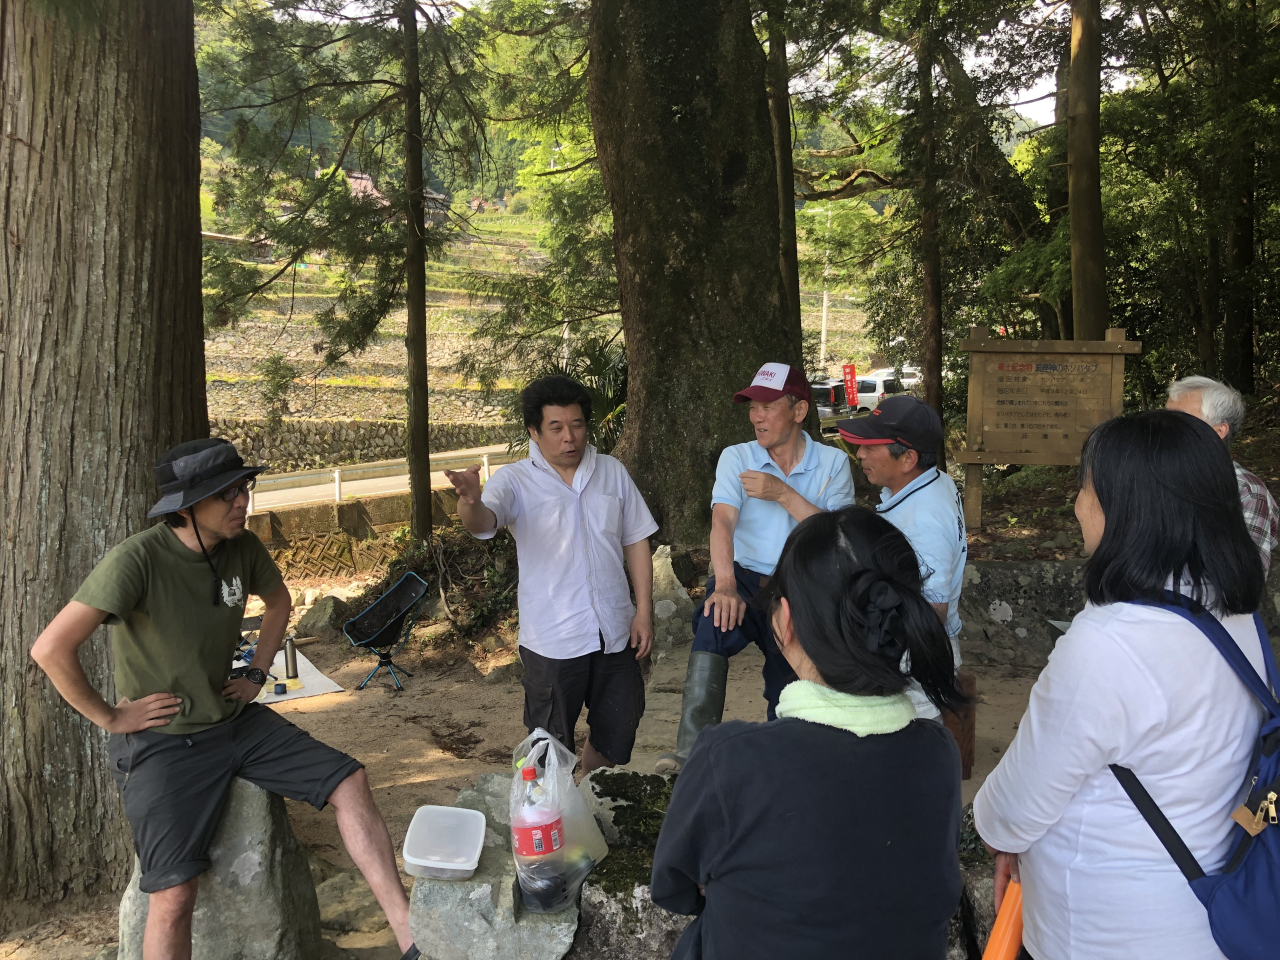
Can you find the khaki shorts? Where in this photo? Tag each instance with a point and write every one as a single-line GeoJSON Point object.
{"type": "Point", "coordinates": [174, 785]}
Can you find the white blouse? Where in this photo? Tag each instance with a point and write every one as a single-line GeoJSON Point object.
{"type": "Point", "coordinates": [1143, 688]}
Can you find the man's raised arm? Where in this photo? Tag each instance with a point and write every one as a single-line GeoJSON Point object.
{"type": "Point", "coordinates": [475, 516]}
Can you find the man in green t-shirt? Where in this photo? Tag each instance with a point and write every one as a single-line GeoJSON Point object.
{"type": "Point", "coordinates": [186, 724]}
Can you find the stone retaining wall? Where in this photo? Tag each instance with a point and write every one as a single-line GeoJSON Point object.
{"type": "Point", "coordinates": [240, 399]}
{"type": "Point", "coordinates": [298, 444]}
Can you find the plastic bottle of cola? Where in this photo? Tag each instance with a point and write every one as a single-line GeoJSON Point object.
{"type": "Point", "coordinates": [538, 842]}
{"type": "Point", "coordinates": [537, 832]}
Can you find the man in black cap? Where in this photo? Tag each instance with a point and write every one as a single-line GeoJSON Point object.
{"type": "Point", "coordinates": [184, 726]}
{"type": "Point", "coordinates": [898, 449]}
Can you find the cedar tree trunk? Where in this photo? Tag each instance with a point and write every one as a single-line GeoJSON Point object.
{"type": "Point", "coordinates": [1237, 326]}
{"type": "Point", "coordinates": [1090, 313]}
{"type": "Point", "coordinates": [101, 369]}
{"type": "Point", "coordinates": [930, 248]}
{"type": "Point", "coordinates": [779, 84]}
{"type": "Point", "coordinates": [1057, 193]}
{"type": "Point", "coordinates": [682, 129]}
{"type": "Point", "coordinates": [415, 265]}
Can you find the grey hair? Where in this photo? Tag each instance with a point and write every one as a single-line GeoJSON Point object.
{"type": "Point", "coordinates": [1219, 403]}
{"type": "Point", "coordinates": [924, 458]}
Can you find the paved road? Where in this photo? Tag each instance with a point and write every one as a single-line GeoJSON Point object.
{"type": "Point", "coordinates": [272, 499]}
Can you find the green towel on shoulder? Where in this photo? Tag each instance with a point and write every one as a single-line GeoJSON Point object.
{"type": "Point", "coordinates": [864, 716]}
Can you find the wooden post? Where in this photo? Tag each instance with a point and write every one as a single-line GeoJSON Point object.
{"type": "Point", "coordinates": [972, 496]}
{"type": "Point", "coordinates": [1116, 335]}
{"type": "Point", "coordinates": [973, 471]}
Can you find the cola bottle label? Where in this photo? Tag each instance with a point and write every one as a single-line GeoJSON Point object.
{"type": "Point", "coordinates": [538, 840]}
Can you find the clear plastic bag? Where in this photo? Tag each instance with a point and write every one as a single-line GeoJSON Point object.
{"type": "Point", "coordinates": [561, 852]}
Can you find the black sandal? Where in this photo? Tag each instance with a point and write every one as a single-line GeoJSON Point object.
{"type": "Point", "coordinates": [412, 953]}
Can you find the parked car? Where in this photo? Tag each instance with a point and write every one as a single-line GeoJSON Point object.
{"type": "Point", "coordinates": [828, 396]}
{"type": "Point", "coordinates": [910, 375]}
{"type": "Point", "coordinates": [876, 386]}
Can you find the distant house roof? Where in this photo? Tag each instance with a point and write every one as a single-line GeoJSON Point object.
{"type": "Point", "coordinates": [362, 188]}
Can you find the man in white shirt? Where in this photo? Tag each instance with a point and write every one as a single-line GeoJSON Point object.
{"type": "Point", "coordinates": [897, 447]}
{"type": "Point", "coordinates": [763, 489]}
{"type": "Point", "coordinates": [575, 515]}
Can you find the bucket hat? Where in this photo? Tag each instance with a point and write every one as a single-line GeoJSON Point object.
{"type": "Point", "coordinates": [191, 471]}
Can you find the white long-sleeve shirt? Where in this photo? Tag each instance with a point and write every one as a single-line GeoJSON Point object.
{"type": "Point", "coordinates": [1143, 688]}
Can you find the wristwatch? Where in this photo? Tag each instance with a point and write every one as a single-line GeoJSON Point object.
{"type": "Point", "coordinates": [252, 674]}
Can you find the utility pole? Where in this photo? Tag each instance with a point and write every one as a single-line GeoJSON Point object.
{"type": "Point", "coordinates": [826, 296]}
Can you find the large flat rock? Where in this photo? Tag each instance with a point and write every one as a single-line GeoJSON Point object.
{"type": "Point", "coordinates": [483, 918]}
{"type": "Point", "coordinates": [256, 901]}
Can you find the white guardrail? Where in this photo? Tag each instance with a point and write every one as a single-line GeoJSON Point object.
{"type": "Point", "coordinates": [372, 471]}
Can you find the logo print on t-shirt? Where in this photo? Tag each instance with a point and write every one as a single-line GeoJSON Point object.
{"type": "Point", "coordinates": [233, 596]}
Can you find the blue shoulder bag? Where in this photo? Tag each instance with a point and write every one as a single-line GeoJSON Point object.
{"type": "Point", "coordinates": [1243, 900]}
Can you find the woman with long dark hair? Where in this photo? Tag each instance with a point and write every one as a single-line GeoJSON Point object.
{"type": "Point", "coordinates": [831, 831]}
{"type": "Point", "coordinates": [1140, 687]}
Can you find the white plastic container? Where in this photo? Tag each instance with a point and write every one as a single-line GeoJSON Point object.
{"type": "Point", "coordinates": [444, 843]}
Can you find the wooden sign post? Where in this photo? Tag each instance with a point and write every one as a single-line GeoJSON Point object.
{"type": "Point", "coordinates": [1035, 401]}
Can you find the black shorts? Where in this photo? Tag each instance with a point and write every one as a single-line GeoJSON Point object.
{"type": "Point", "coordinates": [611, 686]}
{"type": "Point", "coordinates": [174, 785]}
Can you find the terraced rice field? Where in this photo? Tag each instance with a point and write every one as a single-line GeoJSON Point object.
{"type": "Point", "coordinates": [372, 383]}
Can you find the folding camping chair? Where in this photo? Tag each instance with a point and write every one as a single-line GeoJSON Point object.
{"type": "Point", "coordinates": [384, 627]}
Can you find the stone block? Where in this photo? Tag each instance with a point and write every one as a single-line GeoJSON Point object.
{"type": "Point", "coordinates": [613, 926]}
{"type": "Point", "coordinates": [512, 672]}
{"type": "Point", "coordinates": [256, 901]}
{"type": "Point", "coordinates": [324, 619]}
{"type": "Point", "coordinates": [347, 904]}
{"type": "Point", "coordinates": [483, 918]}
{"type": "Point", "coordinates": [672, 606]}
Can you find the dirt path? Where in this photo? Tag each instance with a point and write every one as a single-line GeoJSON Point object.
{"type": "Point", "coordinates": [448, 727]}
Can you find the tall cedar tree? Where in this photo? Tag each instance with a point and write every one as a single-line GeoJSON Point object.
{"type": "Point", "coordinates": [101, 369]}
{"type": "Point", "coordinates": [320, 88]}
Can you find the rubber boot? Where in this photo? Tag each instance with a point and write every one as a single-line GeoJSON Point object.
{"type": "Point", "coordinates": [702, 706]}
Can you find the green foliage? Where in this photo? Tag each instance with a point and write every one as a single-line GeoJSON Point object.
{"type": "Point", "coordinates": [597, 362]}
{"type": "Point", "coordinates": [278, 376]}
{"type": "Point", "coordinates": [314, 90]}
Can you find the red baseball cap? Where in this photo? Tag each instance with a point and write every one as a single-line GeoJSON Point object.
{"type": "Point", "coordinates": [775, 380]}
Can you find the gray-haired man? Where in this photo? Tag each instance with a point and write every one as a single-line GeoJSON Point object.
{"type": "Point", "coordinates": [1222, 408]}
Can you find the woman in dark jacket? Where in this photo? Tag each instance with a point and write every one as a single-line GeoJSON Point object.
{"type": "Point", "coordinates": [832, 831]}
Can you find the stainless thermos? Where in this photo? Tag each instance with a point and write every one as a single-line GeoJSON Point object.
{"type": "Point", "coordinates": [290, 659]}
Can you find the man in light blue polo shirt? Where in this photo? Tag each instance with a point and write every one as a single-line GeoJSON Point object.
{"type": "Point", "coordinates": [763, 489]}
{"type": "Point", "coordinates": [897, 447]}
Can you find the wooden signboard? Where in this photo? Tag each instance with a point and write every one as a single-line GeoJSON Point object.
{"type": "Point", "coordinates": [1035, 401]}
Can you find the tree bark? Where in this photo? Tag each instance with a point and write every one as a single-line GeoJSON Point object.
{"type": "Point", "coordinates": [1209, 314]}
{"type": "Point", "coordinates": [415, 265]}
{"type": "Point", "coordinates": [779, 85]}
{"type": "Point", "coordinates": [1237, 325]}
{"type": "Point", "coordinates": [101, 370]}
{"type": "Point", "coordinates": [1090, 311]}
{"type": "Point", "coordinates": [930, 243]}
{"type": "Point", "coordinates": [681, 121]}
{"type": "Point", "coordinates": [1057, 194]}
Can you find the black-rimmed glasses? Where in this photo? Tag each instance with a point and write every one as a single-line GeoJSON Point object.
{"type": "Point", "coordinates": [231, 493]}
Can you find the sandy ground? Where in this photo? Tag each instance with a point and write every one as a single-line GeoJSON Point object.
{"type": "Point", "coordinates": [449, 726]}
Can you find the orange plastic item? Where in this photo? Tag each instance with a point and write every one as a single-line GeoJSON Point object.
{"type": "Point", "coordinates": [1006, 933]}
